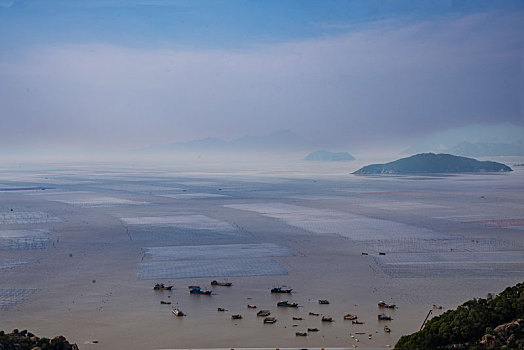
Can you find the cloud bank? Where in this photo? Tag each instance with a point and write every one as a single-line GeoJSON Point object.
{"type": "Point", "coordinates": [385, 82]}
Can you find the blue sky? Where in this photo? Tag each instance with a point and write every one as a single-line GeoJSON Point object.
{"type": "Point", "coordinates": [204, 24]}
{"type": "Point", "coordinates": [125, 74]}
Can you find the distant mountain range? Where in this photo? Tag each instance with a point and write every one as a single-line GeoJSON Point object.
{"type": "Point", "coordinates": [475, 141]}
{"type": "Point", "coordinates": [433, 163]}
{"type": "Point", "coordinates": [326, 156]}
{"type": "Point", "coordinates": [280, 140]}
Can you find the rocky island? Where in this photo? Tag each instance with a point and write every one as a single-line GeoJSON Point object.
{"type": "Point", "coordinates": [433, 163]}
{"type": "Point", "coordinates": [326, 156]}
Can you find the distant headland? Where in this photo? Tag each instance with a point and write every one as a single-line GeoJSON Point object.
{"type": "Point", "coordinates": [426, 163]}
{"type": "Point", "coordinates": [326, 156]}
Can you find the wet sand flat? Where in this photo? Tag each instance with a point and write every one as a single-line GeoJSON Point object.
{"type": "Point", "coordinates": [81, 259]}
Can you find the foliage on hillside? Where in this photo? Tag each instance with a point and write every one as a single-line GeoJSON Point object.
{"type": "Point", "coordinates": [468, 323]}
{"type": "Point", "coordinates": [433, 163]}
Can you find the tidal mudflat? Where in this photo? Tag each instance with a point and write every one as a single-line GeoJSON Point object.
{"type": "Point", "coordinates": [81, 257]}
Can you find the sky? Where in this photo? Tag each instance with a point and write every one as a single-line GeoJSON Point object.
{"type": "Point", "coordinates": [117, 75]}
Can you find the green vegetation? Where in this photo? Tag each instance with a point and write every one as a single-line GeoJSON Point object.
{"type": "Point", "coordinates": [433, 163]}
{"type": "Point", "coordinates": [467, 324]}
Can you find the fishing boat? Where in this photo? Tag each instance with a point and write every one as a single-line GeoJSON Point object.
{"type": "Point", "coordinates": [287, 304]}
{"type": "Point", "coordinates": [312, 329]}
{"type": "Point", "coordinates": [357, 322]}
{"type": "Point", "coordinates": [313, 314]}
{"type": "Point", "coordinates": [251, 306]}
{"type": "Point", "coordinates": [165, 302]}
{"type": "Point", "coordinates": [323, 301]}
{"type": "Point", "coordinates": [387, 329]}
{"type": "Point", "coordinates": [161, 286]}
{"type": "Point", "coordinates": [224, 284]}
{"type": "Point", "coordinates": [327, 319]}
{"type": "Point", "coordinates": [301, 334]}
{"type": "Point", "coordinates": [263, 313]}
{"type": "Point", "coordinates": [236, 317]}
{"type": "Point", "coordinates": [297, 318]}
{"type": "Point", "coordinates": [350, 317]}
{"type": "Point", "coordinates": [200, 291]}
{"type": "Point", "coordinates": [178, 312]}
{"type": "Point", "coordinates": [221, 309]}
{"type": "Point", "coordinates": [385, 305]}
{"type": "Point", "coordinates": [384, 317]}
{"type": "Point", "coordinates": [281, 290]}
{"type": "Point", "coordinates": [270, 320]}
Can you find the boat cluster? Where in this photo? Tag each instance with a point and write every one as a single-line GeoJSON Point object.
{"type": "Point", "coordinates": [267, 319]}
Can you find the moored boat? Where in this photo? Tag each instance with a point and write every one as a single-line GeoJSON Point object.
{"type": "Point", "coordinates": [384, 317]}
{"type": "Point", "coordinates": [385, 305]}
{"type": "Point", "coordinates": [350, 317]}
{"type": "Point", "coordinates": [323, 301]}
{"type": "Point", "coordinates": [281, 290]}
{"type": "Point", "coordinates": [270, 320]}
{"type": "Point", "coordinates": [200, 291]}
{"type": "Point", "coordinates": [161, 286]}
{"type": "Point", "coordinates": [178, 312]}
{"type": "Point", "coordinates": [263, 313]}
{"type": "Point", "coordinates": [224, 284]}
{"type": "Point", "coordinates": [287, 304]}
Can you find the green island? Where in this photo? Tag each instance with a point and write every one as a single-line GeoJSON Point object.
{"type": "Point", "coordinates": [491, 323]}
{"type": "Point", "coordinates": [428, 163]}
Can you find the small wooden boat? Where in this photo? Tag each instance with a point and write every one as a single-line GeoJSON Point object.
{"type": "Point", "coordinates": [263, 313]}
{"type": "Point", "coordinates": [387, 329]}
{"type": "Point", "coordinates": [301, 334]}
{"type": "Point", "coordinates": [281, 290]}
{"type": "Point", "coordinates": [224, 284]}
{"type": "Point", "coordinates": [236, 317]}
{"type": "Point", "coordinates": [221, 309]}
{"type": "Point", "coordinates": [323, 301]}
{"type": "Point", "coordinates": [384, 305]}
{"type": "Point", "coordinates": [200, 291]}
{"type": "Point", "coordinates": [384, 317]}
{"type": "Point", "coordinates": [165, 302]}
{"type": "Point", "coordinates": [297, 318]}
{"type": "Point", "coordinates": [270, 320]}
{"type": "Point", "coordinates": [178, 312]}
{"type": "Point", "coordinates": [251, 306]}
{"type": "Point", "coordinates": [161, 286]}
{"type": "Point", "coordinates": [357, 322]}
{"type": "Point", "coordinates": [313, 314]}
{"type": "Point", "coordinates": [327, 319]}
{"type": "Point", "coordinates": [350, 317]}
{"type": "Point", "coordinates": [437, 307]}
{"type": "Point", "coordinates": [287, 304]}
{"type": "Point", "coordinates": [312, 329]}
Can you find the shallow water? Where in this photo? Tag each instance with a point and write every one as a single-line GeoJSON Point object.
{"type": "Point", "coordinates": [109, 235]}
